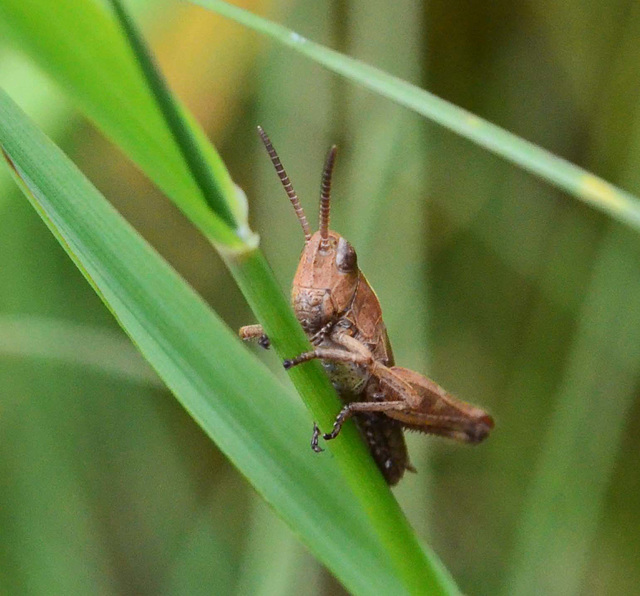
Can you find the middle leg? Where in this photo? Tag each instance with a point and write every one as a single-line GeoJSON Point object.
{"type": "Point", "coordinates": [347, 412]}
{"type": "Point", "coordinates": [334, 354]}
{"type": "Point", "coordinates": [357, 353]}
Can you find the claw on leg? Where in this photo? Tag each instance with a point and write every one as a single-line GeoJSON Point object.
{"type": "Point", "coordinates": [349, 410]}
{"type": "Point", "coordinates": [341, 418]}
{"type": "Point", "coordinates": [314, 439]}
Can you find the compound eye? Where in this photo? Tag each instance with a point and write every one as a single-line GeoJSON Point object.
{"type": "Point", "coordinates": [346, 258]}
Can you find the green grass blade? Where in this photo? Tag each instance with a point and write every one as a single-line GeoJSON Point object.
{"type": "Point", "coordinates": [580, 183]}
{"type": "Point", "coordinates": [252, 418]}
{"type": "Point", "coordinates": [213, 187]}
{"type": "Point", "coordinates": [96, 67]}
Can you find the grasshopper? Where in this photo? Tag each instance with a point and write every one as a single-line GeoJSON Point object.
{"type": "Point", "coordinates": [341, 316]}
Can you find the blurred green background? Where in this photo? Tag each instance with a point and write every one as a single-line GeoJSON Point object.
{"type": "Point", "coordinates": [512, 295]}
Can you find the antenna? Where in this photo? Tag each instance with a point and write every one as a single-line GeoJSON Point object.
{"type": "Point", "coordinates": [288, 187]}
{"type": "Point", "coordinates": [325, 194]}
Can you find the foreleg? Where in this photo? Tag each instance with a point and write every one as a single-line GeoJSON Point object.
{"type": "Point", "coordinates": [249, 332]}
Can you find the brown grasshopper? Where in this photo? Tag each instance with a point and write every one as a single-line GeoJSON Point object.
{"type": "Point", "coordinates": [342, 318]}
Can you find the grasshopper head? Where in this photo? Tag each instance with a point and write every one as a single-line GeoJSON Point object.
{"type": "Point", "coordinates": [326, 280]}
{"type": "Point", "coordinates": [327, 276]}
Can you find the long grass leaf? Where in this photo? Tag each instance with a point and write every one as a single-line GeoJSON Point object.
{"type": "Point", "coordinates": [580, 183]}
{"type": "Point", "coordinates": [213, 186]}
{"type": "Point", "coordinates": [96, 68]}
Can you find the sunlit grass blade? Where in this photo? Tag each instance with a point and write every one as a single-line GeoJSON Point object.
{"type": "Point", "coordinates": [96, 68]}
{"type": "Point", "coordinates": [213, 186]}
{"type": "Point", "coordinates": [580, 183]}
{"type": "Point", "coordinates": [252, 418]}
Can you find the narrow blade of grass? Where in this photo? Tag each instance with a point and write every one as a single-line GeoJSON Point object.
{"type": "Point", "coordinates": [580, 183]}
{"type": "Point", "coordinates": [213, 187]}
{"type": "Point", "coordinates": [96, 68]}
